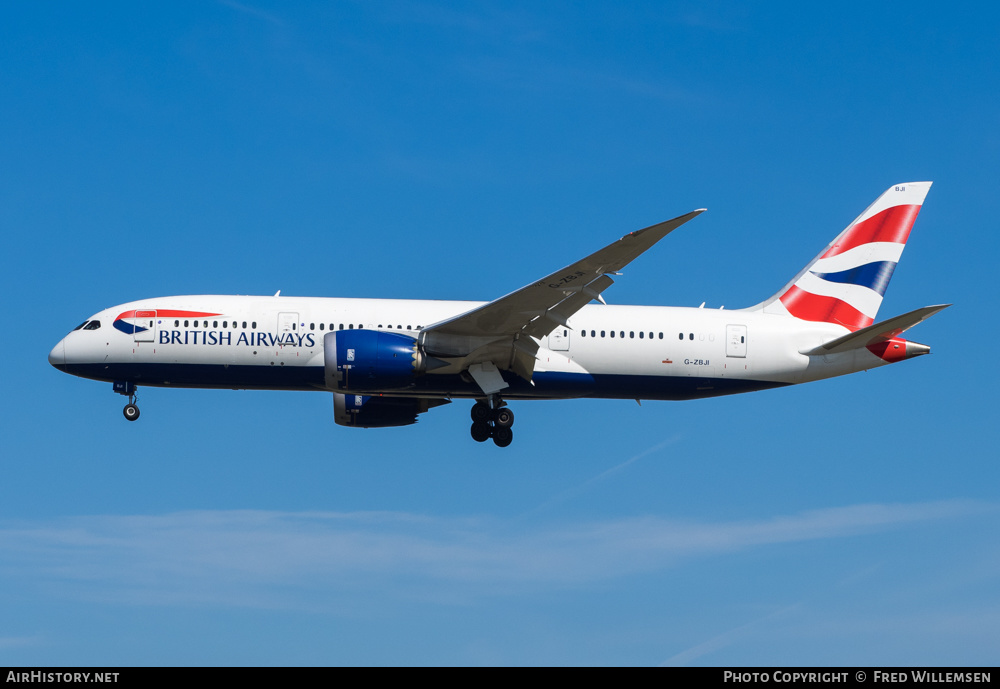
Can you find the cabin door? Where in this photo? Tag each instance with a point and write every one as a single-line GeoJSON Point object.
{"type": "Point", "coordinates": [736, 341]}
{"type": "Point", "coordinates": [288, 323]}
{"type": "Point", "coordinates": [145, 326]}
{"type": "Point", "coordinates": [559, 339]}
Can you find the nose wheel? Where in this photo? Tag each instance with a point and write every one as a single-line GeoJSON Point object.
{"type": "Point", "coordinates": [127, 388]}
{"type": "Point", "coordinates": [492, 420]}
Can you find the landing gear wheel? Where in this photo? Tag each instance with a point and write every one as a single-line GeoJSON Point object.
{"type": "Point", "coordinates": [503, 417]}
{"type": "Point", "coordinates": [491, 419]}
{"type": "Point", "coordinates": [131, 411]}
{"type": "Point", "coordinates": [481, 431]}
{"type": "Point", "coordinates": [502, 436]}
{"type": "Point", "coordinates": [481, 412]}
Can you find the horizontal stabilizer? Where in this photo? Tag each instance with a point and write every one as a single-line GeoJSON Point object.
{"type": "Point", "coordinates": [879, 332]}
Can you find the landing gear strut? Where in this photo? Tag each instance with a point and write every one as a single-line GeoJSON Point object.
{"type": "Point", "coordinates": [492, 420]}
{"type": "Point", "coordinates": [127, 388]}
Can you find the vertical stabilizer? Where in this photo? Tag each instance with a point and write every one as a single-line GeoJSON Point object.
{"type": "Point", "coordinates": [846, 282]}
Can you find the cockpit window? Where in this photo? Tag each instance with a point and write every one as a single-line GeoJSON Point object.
{"type": "Point", "coordinates": [92, 325]}
{"type": "Point", "coordinates": [81, 325]}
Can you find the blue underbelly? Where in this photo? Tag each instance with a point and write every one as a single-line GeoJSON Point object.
{"type": "Point", "coordinates": [547, 385]}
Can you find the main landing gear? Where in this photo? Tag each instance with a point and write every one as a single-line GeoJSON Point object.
{"type": "Point", "coordinates": [131, 410]}
{"type": "Point", "coordinates": [492, 420]}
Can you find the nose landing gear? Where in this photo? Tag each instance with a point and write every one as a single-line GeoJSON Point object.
{"type": "Point", "coordinates": [127, 388]}
{"type": "Point", "coordinates": [492, 420]}
{"type": "Point", "coordinates": [131, 411]}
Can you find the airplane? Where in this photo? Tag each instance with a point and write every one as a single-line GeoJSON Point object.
{"type": "Point", "coordinates": [386, 361]}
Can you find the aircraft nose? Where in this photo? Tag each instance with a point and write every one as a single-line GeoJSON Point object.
{"type": "Point", "coordinates": [57, 357]}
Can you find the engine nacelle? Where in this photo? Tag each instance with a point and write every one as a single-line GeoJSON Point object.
{"type": "Point", "coordinates": [370, 361]}
{"type": "Point", "coordinates": [379, 412]}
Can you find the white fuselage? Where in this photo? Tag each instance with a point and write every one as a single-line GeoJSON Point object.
{"type": "Point", "coordinates": [642, 352]}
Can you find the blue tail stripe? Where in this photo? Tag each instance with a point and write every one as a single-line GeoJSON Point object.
{"type": "Point", "coordinates": [874, 276]}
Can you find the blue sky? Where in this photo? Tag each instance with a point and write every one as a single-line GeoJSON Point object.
{"type": "Point", "coordinates": [450, 151]}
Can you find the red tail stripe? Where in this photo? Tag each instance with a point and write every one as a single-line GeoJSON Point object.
{"type": "Point", "coordinates": [891, 225]}
{"type": "Point", "coordinates": [813, 307]}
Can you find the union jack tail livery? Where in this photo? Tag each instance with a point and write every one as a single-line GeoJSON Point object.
{"type": "Point", "coordinates": [845, 284]}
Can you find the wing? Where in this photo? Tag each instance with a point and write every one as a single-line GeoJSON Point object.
{"type": "Point", "coordinates": [501, 331]}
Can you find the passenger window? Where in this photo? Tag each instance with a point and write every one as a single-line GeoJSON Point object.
{"type": "Point", "coordinates": [602, 333]}
{"type": "Point", "coordinates": [680, 336]}
{"type": "Point", "coordinates": [661, 336]}
{"type": "Point", "coordinates": [623, 333]}
{"type": "Point", "coordinates": [253, 326]}
{"type": "Point", "coordinates": [244, 325]}
{"type": "Point", "coordinates": [631, 334]}
{"type": "Point", "coordinates": [691, 336]}
{"type": "Point", "coordinates": [612, 333]}
{"type": "Point", "coordinates": [312, 326]}
{"type": "Point", "coordinates": [177, 324]}
{"type": "Point", "coordinates": [641, 335]}
{"type": "Point", "coordinates": [321, 325]}
{"type": "Point", "coordinates": [185, 324]}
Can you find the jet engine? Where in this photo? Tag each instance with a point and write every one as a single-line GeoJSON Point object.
{"type": "Point", "coordinates": [371, 361]}
{"type": "Point", "coordinates": [362, 411]}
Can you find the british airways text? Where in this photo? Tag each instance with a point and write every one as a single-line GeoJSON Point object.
{"type": "Point", "coordinates": [221, 337]}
